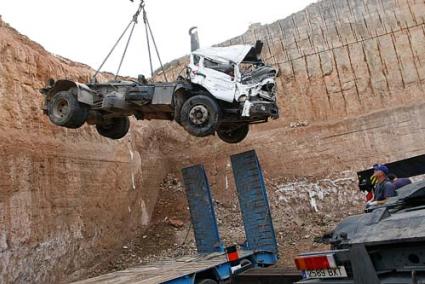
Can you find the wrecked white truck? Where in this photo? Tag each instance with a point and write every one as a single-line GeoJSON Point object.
{"type": "Point", "coordinates": [225, 89]}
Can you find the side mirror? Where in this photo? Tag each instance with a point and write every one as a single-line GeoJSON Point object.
{"type": "Point", "coordinates": [258, 48]}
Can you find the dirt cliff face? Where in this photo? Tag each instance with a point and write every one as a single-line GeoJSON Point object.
{"type": "Point", "coordinates": [66, 197]}
{"type": "Point", "coordinates": [350, 92]}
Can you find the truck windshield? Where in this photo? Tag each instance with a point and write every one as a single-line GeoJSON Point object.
{"type": "Point", "coordinates": [218, 66]}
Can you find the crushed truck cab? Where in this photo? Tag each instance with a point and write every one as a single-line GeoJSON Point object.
{"type": "Point", "coordinates": [236, 74]}
{"type": "Point", "coordinates": [225, 89]}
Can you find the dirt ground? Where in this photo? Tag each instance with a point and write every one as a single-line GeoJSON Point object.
{"type": "Point", "coordinates": [297, 223]}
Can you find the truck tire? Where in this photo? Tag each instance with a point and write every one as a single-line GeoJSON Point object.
{"type": "Point", "coordinates": [199, 115]}
{"type": "Point", "coordinates": [116, 128]}
{"type": "Point", "coordinates": [65, 110]}
{"type": "Point", "coordinates": [233, 133]}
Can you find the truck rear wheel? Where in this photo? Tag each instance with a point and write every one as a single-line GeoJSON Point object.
{"type": "Point", "coordinates": [233, 133]}
{"type": "Point", "coordinates": [199, 115]}
{"type": "Point", "coordinates": [115, 128]}
{"type": "Point", "coordinates": [65, 110]}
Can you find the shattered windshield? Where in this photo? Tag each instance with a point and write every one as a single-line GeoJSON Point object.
{"type": "Point", "coordinates": [226, 68]}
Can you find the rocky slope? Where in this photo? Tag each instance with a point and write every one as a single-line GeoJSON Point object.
{"type": "Point", "coordinates": [351, 94]}
{"type": "Point", "coordinates": [301, 210]}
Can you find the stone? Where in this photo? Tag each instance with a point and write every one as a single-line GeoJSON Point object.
{"type": "Point", "coordinates": [176, 223]}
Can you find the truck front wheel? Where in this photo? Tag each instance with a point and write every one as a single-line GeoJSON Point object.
{"type": "Point", "coordinates": [199, 115]}
{"type": "Point", "coordinates": [233, 133]}
{"type": "Point", "coordinates": [65, 110]}
{"type": "Point", "coordinates": [115, 128]}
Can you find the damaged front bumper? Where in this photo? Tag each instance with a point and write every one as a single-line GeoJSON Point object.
{"type": "Point", "coordinates": [260, 109]}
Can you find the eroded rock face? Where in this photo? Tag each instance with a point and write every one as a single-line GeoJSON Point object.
{"type": "Point", "coordinates": [66, 197]}
{"type": "Point", "coordinates": [351, 94]}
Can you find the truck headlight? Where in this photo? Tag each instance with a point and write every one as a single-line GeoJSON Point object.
{"type": "Point", "coordinates": [242, 98]}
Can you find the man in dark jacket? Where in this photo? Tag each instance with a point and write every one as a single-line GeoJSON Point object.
{"type": "Point", "coordinates": [384, 188]}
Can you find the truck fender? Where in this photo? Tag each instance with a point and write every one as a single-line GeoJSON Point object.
{"type": "Point", "coordinates": [83, 93]}
{"type": "Point", "coordinates": [181, 93]}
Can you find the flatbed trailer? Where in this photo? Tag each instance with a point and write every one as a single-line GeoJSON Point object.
{"type": "Point", "coordinates": [173, 271]}
{"type": "Point", "coordinates": [213, 264]}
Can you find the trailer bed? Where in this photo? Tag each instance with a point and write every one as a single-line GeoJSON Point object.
{"type": "Point", "coordinates": [164, 271]}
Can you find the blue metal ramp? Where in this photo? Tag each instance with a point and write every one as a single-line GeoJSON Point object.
{"type": "Point", "coordinates": [213, 264]}
{"type": "Point", "coordinates": [202, 210]}
{"type": "Point", "coordinates": [254, 206]}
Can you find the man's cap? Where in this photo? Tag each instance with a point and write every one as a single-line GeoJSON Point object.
{"type": "Point", "coordinates": [382, 168]}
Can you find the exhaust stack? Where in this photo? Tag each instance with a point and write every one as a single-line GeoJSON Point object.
{"type": "Point", "coordinates": [194, 38]}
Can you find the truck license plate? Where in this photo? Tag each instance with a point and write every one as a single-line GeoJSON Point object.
{"type": "Point", "coordinates": [338, 272]}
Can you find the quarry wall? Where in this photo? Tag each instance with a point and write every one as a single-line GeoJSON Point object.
{"type": "Point", "coordinates": [66, 197]}
{"type": "Point", "coordinates": [350, 91]}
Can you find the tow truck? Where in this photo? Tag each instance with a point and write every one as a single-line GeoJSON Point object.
{"type": "Point", "coordinates": [386, 244]}
{"type": "Point", "coordinates": [222, 91]}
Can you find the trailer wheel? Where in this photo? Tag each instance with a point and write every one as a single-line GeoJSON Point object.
{"type": "Point", "coordinates": [233, 133]}
{"type": "Point", "coordinates": [116, 128]}
{"type": "Point", "coordinates": [65, 110]}
{"type": "Point", "coordinates": [199, 115]}
{"type": "Point", "coordinates": [206, 281]}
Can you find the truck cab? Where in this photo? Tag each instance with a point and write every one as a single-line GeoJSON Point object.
{"type": "Point", "coordinates": [236, 74]}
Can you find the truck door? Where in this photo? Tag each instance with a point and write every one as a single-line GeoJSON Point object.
{"type": "Point", "coordinates": [218, 78]}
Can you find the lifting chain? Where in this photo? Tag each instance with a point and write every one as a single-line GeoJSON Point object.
{"type": "Point", "coordinates": [149, 34]}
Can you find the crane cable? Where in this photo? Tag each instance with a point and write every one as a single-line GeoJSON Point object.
{"type": "Point", "coordinates": [147, 41]}
{"type": "Point", "coordinates": [148, 32]}
{"type": "Point", "coordinates": [145, 18]}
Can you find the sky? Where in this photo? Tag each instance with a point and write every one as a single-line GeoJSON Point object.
{"type": "Point", "coordinates": [85, 30]}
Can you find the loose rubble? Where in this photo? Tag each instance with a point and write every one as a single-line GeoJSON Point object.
{"type": "Point", "coordinates": [297, 219]}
